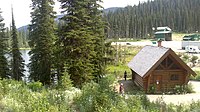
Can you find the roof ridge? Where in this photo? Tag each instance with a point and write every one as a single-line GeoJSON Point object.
{"type": "Point", "coordinates": [159, 47]}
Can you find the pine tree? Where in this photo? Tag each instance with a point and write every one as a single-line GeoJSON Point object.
{"type": "Point", "coordinates": [17, 60]}
{"type": "Point", "coordinates": [97, 28]}
{"type": "Point", "coordinates": [78, 41]}
{"type": "Point", "coordinates": [4, 70]}
{"type": "Point", "coordinates": [41, 40]}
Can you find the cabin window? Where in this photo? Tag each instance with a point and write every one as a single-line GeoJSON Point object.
{"type": "Point", "coordinates": [174, 77]}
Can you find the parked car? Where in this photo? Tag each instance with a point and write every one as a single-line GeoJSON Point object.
{"type": "Point", "coordinates": [193, 37]}
{"type": "Point", "coordinates": [128, 43]}
{"type": "Point", "coordinates": [192, 49]}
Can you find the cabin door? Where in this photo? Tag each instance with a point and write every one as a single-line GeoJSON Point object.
{"type": "Point", "coordinates": [158, 81]}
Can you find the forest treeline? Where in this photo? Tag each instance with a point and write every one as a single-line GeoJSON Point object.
{"type": "Point", "coordinates": [137, 21]}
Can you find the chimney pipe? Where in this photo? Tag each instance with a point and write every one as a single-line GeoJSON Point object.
{"type": "Point", "coordinates": [160, 43]}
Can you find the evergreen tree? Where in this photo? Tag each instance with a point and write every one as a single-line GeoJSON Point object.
{"type": "Point", "coordinates": [17, 60]}
{"type": "Point", "coordinates": [77, 40]}
{"type": "Point", "coordinates": [41, 40]}
{"type": "Point", "coordinates": [4, 70]}
{"type": "Point", "coordinates": [97, 28]}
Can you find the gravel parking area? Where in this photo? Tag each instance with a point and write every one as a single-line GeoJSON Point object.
{"type": "Point", "coordinates": [175, 45]}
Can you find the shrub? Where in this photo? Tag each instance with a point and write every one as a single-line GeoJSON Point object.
{"type": "Point", "coordinates": [183, 89]}
{"type": "Point", "coordinates": [189, 88]}
{"type": "Point", "coordinates": [178, 89]}
{"type": "Point", "coordinates": [152, 88]}
{"type": "Point", "coordinates": [185, 58]}
{"type": "Point", "coordinates": [97, 97]}
{"type": "Point", "coordinates": [193, 59]}
{"type": "Point", "coordinates": [65, 82]}
{"type": "Point", "coordinates": [35, 86]}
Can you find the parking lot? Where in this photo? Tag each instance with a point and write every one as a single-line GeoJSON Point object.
{"type": "Point", "coordinates": [175, 45]}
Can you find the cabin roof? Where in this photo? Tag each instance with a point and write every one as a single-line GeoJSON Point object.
{"type": "Point", "coordinates": [162, 32]}
{"type": "Point", "coordinates": [164, 28]}
{"type": "Point", "coordinates": [149, 56]}
{"type": "Point", "coordinates": [146, 58]}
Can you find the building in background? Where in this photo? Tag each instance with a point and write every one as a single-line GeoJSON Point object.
{"type": "Point", "coordinates": [163, 33]}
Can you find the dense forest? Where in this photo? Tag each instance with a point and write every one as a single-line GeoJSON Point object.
{"type": "Point", "coordinates": [137, 21]}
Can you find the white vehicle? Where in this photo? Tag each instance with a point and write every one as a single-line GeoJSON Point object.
{"type": "Point", "coordinates": [192, 49]}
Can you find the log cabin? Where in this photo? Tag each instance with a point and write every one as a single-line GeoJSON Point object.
{"type": "Point", "coordinates": [161, 67]}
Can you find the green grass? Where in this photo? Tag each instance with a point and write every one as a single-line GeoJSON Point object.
{"type": "Point", "coordinates": [118, 70]}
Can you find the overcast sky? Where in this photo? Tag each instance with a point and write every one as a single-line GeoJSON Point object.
{"type": "Point", "coordinates": [22, 9]}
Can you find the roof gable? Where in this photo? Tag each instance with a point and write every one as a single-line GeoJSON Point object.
{"type": "Point", "coordinates": [149, 58]}
{"type": "Point", "coordinates": [146, 58]}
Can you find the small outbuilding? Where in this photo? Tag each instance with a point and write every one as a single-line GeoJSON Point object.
{"type": "Point", "coordinates": [160, 67]}
{"type": "Point", "coordinates": [163, 33]}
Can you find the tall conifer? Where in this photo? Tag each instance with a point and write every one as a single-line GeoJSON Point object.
{"type": "Point", "coordinates": [82, 39]}
{"type": "Point", "coordinates": [17, 60]}
{"type": "Point", "coordinates": [4, 70]}
{"type": "Point", "coordinates": [97, 28]}
{"type": "Point", "coordinates": [77, 40]}
{"type": "Point", "coordinates": [41, 40]}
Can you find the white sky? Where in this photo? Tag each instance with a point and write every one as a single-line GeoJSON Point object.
{"type": "Point", "coordinates": [22, 9]}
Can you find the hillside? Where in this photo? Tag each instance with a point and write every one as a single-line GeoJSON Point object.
{"type": "Point", "coordinates": [112, 9]}
{"type": "Point", "coordinates": [138, 21]}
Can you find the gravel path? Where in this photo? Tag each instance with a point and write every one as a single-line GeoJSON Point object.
{"type": "Point", "coordinates": [175, 99]}
{"type": "Point", "coordinates": [178, 99]}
